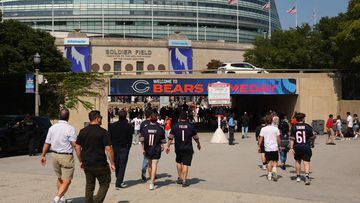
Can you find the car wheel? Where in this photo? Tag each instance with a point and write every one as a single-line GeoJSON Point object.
{"type": "Point", "coordinates": [3, 148]}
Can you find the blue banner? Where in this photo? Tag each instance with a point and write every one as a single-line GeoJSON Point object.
{"type": "Point", "coordinates": [79, 56]}
{"type": "Point", "coordinates": [180, 60]}
{"type": "Point", "coordinates": [178, 86]}
{"type": "Point", "coordinates": [29, 83]}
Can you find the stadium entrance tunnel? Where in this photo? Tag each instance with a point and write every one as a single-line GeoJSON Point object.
{"type": "Point", "coordinates": [256, 96]}
{"type": "Point", "coordinates": [257, 106]}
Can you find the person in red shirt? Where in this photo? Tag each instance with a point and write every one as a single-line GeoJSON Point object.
{"type": "Point", "coordinates": [330, 130]}
{"type": "Point", "coordinates": [167, 127]}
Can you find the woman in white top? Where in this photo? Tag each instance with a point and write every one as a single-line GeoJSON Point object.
{"type": "Point", "coordinates": [339, 128]}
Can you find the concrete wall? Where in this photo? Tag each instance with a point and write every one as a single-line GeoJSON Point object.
{"type": "Point", "coordinates": [318, 95]}
{"type": "Point", "coordinates": [352, 106]}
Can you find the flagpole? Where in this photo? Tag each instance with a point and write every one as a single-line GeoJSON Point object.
{"type": "Point", "coordinates": [237, 22]}
{"type": "Point", "coordinates": [2, 11]}
{"type": "Point", "coordinates": [152, 19]}
{"type": "Point", "coordinates": [269, 19]}
{"type": "Point", "coordinates": [197, 20]}
{"type": "Point", "coordinates": [102, 19]}
{"type": "Point", "coordinates": [52, 16]}
{"type": "Point", "coordinates": [296, 14]}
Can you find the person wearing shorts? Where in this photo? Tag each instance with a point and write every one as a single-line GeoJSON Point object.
{"type": "Point", "coordinates": [301, 141]}
{"type": "Point", "coordinates": [183, 133]}
{"type": "Point", "coordinates": [152, 139]}
{"type": "Point", "coordinates": [262, 148]}
{"type": "Point", "coordinates": [61, 140]}
{"type": "Point", "coordinates": [270, 135]}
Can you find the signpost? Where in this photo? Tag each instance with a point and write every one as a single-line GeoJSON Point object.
{"type": "Point", "coordinates": [219, 95]}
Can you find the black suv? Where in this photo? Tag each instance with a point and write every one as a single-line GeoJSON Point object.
{"type": "Point", "coordinates": [15, 135]}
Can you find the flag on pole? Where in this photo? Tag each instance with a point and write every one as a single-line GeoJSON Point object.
{"type": "Point", "coordinates": [232, 2]}
{"type": "Point", "coordinates": [292, 10]}
{"type": "Point", "coordinates": [266, 6]}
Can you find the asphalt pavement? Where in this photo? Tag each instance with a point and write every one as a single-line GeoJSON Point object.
{"type": "Point", "coordinates": [219, 173]}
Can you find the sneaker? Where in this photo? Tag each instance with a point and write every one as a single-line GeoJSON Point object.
{"type": "Point", "coordinates": [307, 180]}
{"type": "Point", "coordinates": [123, 185]}
{"type": "Point", "coordinates": [298, 179]}
{"type": "Point", "coordinates": [143, 177]}
{"type": "Point", "coordinates": [356, 136]}
{"type": "Point", "coordinates": [275, 176]}
{"type": "Point", "coordinates": [263, 167]}
{"type": "Point", "coordinates": [269, 177]}
{"type": "Point", "coordinates": [243, 137]}
{"type": "Point", "coordinates": [179, 181]}
{"type": "Point", "coordinates": [62, 200]}
{"type": "Point", "coordinates": [185, 184]}
{"type": "Point", "coordinates": [151, 187]}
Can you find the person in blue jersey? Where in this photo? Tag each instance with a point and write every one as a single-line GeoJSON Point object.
{"type": "Point", "coordinates": [232, 125]}
{"type": "Point", "coordinates": [183, 132]}
{"type": "Point", "coordinates": [152, 140]}
{"type": "Point", "coordinates": [301, 141]}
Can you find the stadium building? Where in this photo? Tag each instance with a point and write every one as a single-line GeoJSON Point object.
{"type": "Point", "coordinates": [211, 20]}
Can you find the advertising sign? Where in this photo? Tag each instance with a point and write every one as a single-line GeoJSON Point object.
{"type": "Point", "coordinates": [29, 83]}
{"type": "Point", "coordinates": [179, 43]}
{"type": "Point", "coordinates": [79, 56]}
{"type": "Point", "coordinates": [77, 41]}
{"type": "Point", "coordinates": [219, 93]}
{"type": "Point", "coordinates": [199, 86]}
{"type": "Point", "coordinates": [180, 60]}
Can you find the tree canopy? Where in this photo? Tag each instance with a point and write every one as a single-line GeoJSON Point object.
{"type": "Point", "coordinates": [18, 45]}
{"type": "Point", "coordinates": [333, 43]}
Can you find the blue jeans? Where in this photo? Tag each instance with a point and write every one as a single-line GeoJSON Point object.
{"type": "Point", "coordinates": [121, 155]}
{"type": "Point", "coordinates": [144, 166]}
{"type": "Point", "coordinates": [283, 155]}
{"type": "Point", "coordinates": [244, 131]}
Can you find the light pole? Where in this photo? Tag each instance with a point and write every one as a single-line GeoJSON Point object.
{"type": "Point", "coordinates": [168, 29]}
{"type": "Point", "coordinates": [37, 60]}
{"type": "Point", "coordinates": [205, 33]}
{"type": "Point", "coordinates": [124, 29]}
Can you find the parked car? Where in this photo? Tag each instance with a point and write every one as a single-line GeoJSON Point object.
{"type": "Point", "coordinates": [239, 67]}
{"type": "Point", "coordinates": [14, 136]}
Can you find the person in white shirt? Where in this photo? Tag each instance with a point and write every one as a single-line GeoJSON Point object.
{"type": "Point", "coordinates": [350, 126]}
{"type": "Point", "coordinates": [136, 122]}
{"type": "Point", "coordinates": [61, 140]}
{"type": "Point", "coordinates": [161, 121]}
{"type": "Point", "coordinates": [270, 135]}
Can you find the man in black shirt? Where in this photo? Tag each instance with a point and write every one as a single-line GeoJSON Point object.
{"type": "Point", "coordinates": [183, 133]}
{"type": "Point", "coordinates": [145, 160]}
{"type": "Point", "coordinates": [301, 141]}
{"type": "Point", "coordinates": [121, 133]}
{"type": "Point", "coordinates": [92, 143]}
{"type": "Point", "coordinates": [245, 125]}
{"type": "Point", "coordinates": [152, 139]}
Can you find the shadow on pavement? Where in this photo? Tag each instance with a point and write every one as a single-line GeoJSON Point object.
{"type": "Point", "coordinates": [76, 200]}
{"type": "Point", "coordinates": [131, 183]}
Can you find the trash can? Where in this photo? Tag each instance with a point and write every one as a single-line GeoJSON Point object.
{"type": "Point", "coordinates": [318, 126]}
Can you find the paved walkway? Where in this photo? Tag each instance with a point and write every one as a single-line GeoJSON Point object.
{"type": "Point", "coordinates": [220, 173]}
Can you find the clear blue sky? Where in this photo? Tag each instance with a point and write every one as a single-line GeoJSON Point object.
{"type": "Point", "coordinates": [305, 9]}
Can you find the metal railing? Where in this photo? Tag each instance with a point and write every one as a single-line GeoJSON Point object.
{"type": "Point", "coordinates": [227, 71]}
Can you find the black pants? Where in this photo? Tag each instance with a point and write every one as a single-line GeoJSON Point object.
{"type": "Point", "coordinates": [349, 132]}
{"type": "Point", "coordinates": [121, 159]}
{"type": "Point", "coordinates": [103, 175]}
{"type": "Point", "coordinates": [231, 134]}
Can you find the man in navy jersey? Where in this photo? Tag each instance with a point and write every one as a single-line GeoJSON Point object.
{"type": "Point", "coordinates": [145, 160]}
{"type": "Point", "coordinates": [301, 141]}
{"type": "Point", "coordinates": [183, 133]}
{"type": "Point", "coordinates": [152, 139]}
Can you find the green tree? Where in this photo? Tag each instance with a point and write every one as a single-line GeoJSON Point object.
{"type": "Point", "coordinates": [18, 45]}
{"type": "Point", "coordinates": [348, 39]}
{"type": "Point", "coordinates": [333, 43]}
